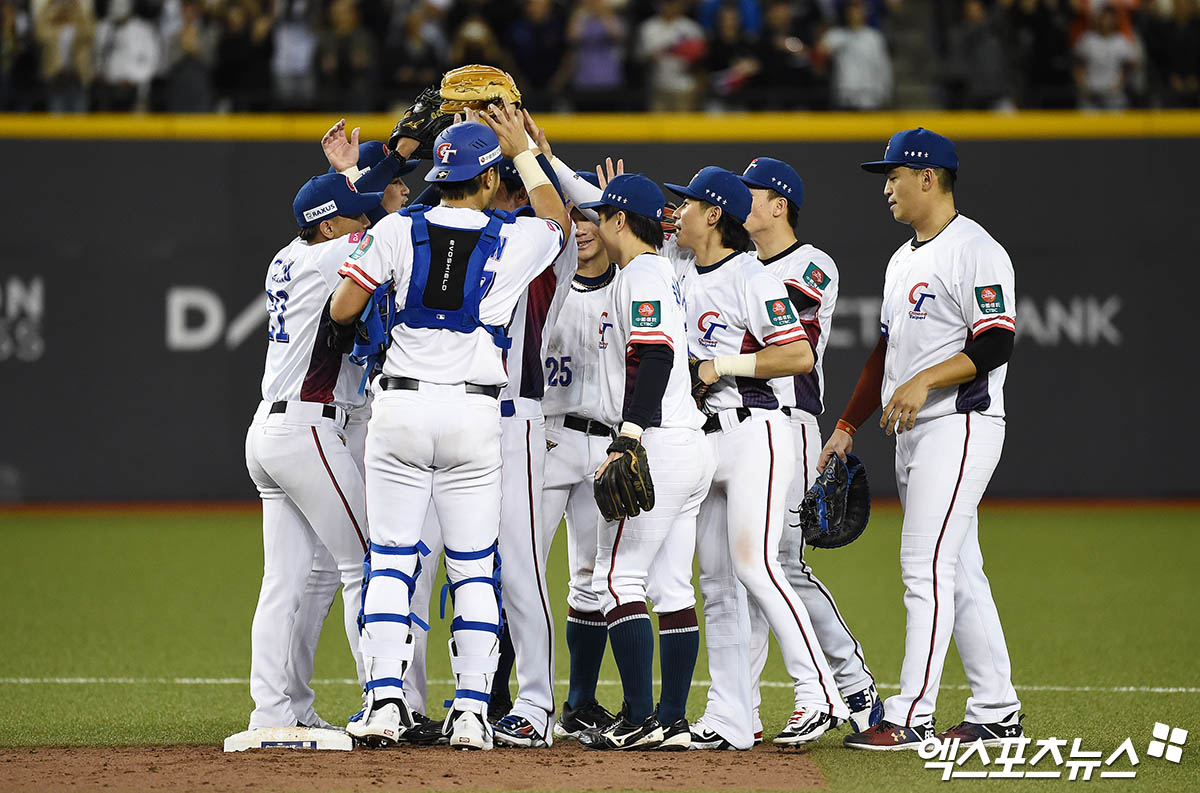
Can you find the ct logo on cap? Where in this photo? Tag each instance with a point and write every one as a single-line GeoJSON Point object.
{"type": "Point", "coordinates": [444, 151]}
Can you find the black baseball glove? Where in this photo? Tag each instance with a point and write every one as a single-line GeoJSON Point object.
{"type": "Point", "coordinates": [625, 487]}
{"type": "Point", "coordinates": [835, 510]}
{"type": "Point", "coordinates": [700, 388]}
{"type": "Point", "coordinates": [423, 121]}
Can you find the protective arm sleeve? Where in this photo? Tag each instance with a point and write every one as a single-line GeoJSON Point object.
{"type": "Point", "coordinates": [990, 349]}
{"type": "Point", "coordinates": [653, 372]}
{"type": "Point", "coordinates": [865, 400]}
{"type": "Point", "coordinates": [576, 188]}
{"type": "Point", "coordinates": [378, 178]}
{"type": "Point", "coordinates": [800, 301]}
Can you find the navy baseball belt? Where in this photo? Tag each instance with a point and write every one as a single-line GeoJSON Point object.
{"type": "Point", "coordinates": [713, 423]}
{"type": "Point", "coordinates": [412, 384]}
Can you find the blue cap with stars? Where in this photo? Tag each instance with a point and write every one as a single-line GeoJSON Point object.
{"type": "Point", "coordinates": [916, 148]}
{"type": "Point", "coordinates": [769, 173]}
{"type": "Point", "coordinates": [719, 187]}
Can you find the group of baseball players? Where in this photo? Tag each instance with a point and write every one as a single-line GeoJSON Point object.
{"type": "Point", "coordinates": [455, 374]}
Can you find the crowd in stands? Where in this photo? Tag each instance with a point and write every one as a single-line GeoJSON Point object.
{"type": "Point", "coordinates": [596, 55]}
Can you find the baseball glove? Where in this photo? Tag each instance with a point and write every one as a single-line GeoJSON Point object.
{"type": "Point", "coordinates": [625, 487]}
{"type": "Point", "coordinates": [669, 219]}
{"type": "Point", "coordinates": [700, 388]}
{"type": "Point", "coordinates": [423, 121]}
{"type": "Point", "coordinates": [836, 509]}
{"type": "Point", "coordinates": [476, 86]}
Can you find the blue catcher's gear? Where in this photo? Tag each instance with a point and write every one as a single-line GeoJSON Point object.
{"type": "Point", "coordinates": [374, 332]}
{"type": "Point", "coordinates": [835, 510]}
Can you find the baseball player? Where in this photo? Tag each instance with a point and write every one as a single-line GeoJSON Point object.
{"type": "Point", "coordinates": [296, 453]}
{"type": "Point", "coordinates": [644, 389]}
{"type": "Point", "coordinates": [947, 325]}
{"type": "Point", "coordinates": [743, 328]}
{"type": "Point", "coordinates": [812, 282]}
{"type": "Point", "coordinates": [576, 442]}
{"type": "Point", "coordinates": [458, 272]}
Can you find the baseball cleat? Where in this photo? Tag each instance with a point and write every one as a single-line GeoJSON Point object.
{"type": "Point", "coordinates": [498, 709]}
{"type": "Point", "coordinates": [513, 730]}
{"type": "Point", "coordinates": [758, 737]}
{"type": "Point", "coordinates": [805, 726]}
{"type": "Point", "coordinates": [469, 730]}
{"type": "Point", "coordinates": [574, 722]}
{"type": "Point", "coordinates": [316, 722]}
{"type": "Point", "coordinates": [994, 734]}
{"type": "Point", "coordinates": [677, 737]}
{"type": "Point", "coordinates": [706, 738]}
{"type": "Point", "coordinates": [426, 731]}
{"type": "Point", "coordinates": [624, 734]}
{"type": "Point", "coordinates": [866, 708]}
{"type": "Point", "coordinates": [384, 726]}
{"type": "Point", "coordinates": [888, 737]}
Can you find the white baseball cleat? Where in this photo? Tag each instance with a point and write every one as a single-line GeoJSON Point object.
{"type": "Point", "coordinates": [866, 709]}
{"type": "Point", "coordinates": [469, 731]}
{"type": "Point", "coordinates": [384, 726]}
{"type": "Point", "coordinates": [806, 724]}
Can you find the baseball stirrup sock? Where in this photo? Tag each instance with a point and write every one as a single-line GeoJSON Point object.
{"type": "Point", "coordinates": [679, 644]}
{"type": "Point", "coordinates": [500, 689]}
{"type": "Point", "coordinates": [587, 636]}
{"type": "Point", "coordinates": [633, 649]}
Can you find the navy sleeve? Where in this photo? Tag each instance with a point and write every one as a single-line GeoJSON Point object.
{"type": "Point", "coordinates": [654, 369]}
{"type": "Point", "coordinates": [378, 178]}
{"type": "Point", "coordinates": [990, 349]}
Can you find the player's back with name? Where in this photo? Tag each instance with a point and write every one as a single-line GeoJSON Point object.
{"type": "Point", "coordinates": [526, 246]}
{"type": "Point", "coordinates": [299, 364]}
{"type": "Point", "coordinates": [646, 307]}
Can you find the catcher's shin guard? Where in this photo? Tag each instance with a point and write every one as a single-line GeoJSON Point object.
{"type": "Point", "coordinates": [473, 581]}
{"type": "Point", "coordinates": [389, 577]}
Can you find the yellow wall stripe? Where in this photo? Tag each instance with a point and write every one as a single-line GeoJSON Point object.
{"type": "Point", "coordinates": [634, 128]}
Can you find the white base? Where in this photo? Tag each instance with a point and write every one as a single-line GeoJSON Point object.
{"type": "Point", "coordinates": [289, 738]}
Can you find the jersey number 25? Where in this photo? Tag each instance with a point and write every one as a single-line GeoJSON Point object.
{"type": "Point", "coordinates": [558, 371]}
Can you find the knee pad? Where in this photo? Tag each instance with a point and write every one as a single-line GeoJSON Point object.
{"type": "Point", "coordinates": [493, 580]}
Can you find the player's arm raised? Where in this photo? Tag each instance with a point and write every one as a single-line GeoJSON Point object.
{"type": "Point", "coordinates": [509, 125]}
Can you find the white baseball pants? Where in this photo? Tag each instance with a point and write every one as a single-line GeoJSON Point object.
{"type": "Point", "coordinates": [943, 466]}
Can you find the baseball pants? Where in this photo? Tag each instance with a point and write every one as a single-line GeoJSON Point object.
{"type": "Point", "coordinates": [842, 650]}
{"type": "Point", "coordinates": [739, 531]}
{"type": "Point", "coordinates": [943, 466]}
{"type": "Point", "coordinates": [437, 446]}
{"type": "Point", "coordinates": [312, 496]}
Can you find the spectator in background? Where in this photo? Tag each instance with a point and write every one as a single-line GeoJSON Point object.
{"type": "Point", "coordinates": [347, 61]}
{"type": "Point", "coordinates": [748, 11]}
{"type": "Point", "coordinates": [595, 57]}
{"type": "Point", "coordinates": [475, 42]}
{"type": "Point", "coordinates": [861, 66]}
{"type": "Point", "coordinates": [1178, 55]}
{"type": "Point", "coordinates": [18, 59]}
{"type": "Point", "coordinates": [537, 40]}
{"type": "Point", "coordinates": [876, 13]}
{"type": "Point", "coordinates": [976, 68]}
{"type": "Point", "coordinates": [732, 60]}
{"type": "Point", "coordinates": [414, 57]}
{"type": "Point", "coordinates": [671, 45]}
{"type": "Point", "coordinates": [191, 51]}
{"type": "Point", "coordinates": [1041, 53]}
{"type": "Point", "coordinates": [244, 48]}
{"type": "Point", "coordinates": [128, 56]}
{"type": "Point", "coordinates": [1106, 57]}
{"type": "Point", "coordinates": [788, 79]}
{"type": "Point", "coordinates": [65, 32]}
{"type": "Point", "coordinates": [292, 61]}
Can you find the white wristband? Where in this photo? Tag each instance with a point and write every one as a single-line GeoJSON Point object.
{"type": "Point", "coordinates": [530, 171]}
{"type": "Point", "coordinates": [352, 173]}
{"type": "Point", "coordinates": [736, 365]}
{"type": "Point", "coordinates": [632, 430]}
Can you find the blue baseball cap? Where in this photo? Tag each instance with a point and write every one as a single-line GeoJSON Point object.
{"type": "Point", "coordinates": [631, 192]}
{"type": "Point", "coordinates": [589, 177]}
{"type": "Point", "coordinates": [507, 169]}
{"type": "Point", "coordinates": [772, 174]}
{"type": "Point", "coordinates": [916, 148]}
{"type": "Point", "coordinates": [331, 194]}
{"type": "Point", "coordinates": [372, 153]}
{"type": "Point", "coordinates": [719, 187]}
{"type": "Point", "coordinates": [463, 151]}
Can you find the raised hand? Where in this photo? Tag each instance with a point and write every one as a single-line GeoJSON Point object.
{"type": "Point", "coordinates": [341, 153]}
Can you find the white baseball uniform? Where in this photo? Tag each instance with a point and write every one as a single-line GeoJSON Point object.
{"type": "Point", "coordinates": [936, 297]}
{"type": "Point", "coordinates": [812, 272]}
{"type": "Point", "coordinates": [440, 445]}
{"type": "Point", "coordinates": [735, 306]}
{"type": "Point", "coordinates": [309, 481]}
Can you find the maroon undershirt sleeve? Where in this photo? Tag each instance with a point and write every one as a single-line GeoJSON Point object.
{"type": "Point", "coordinates": [865, 399]}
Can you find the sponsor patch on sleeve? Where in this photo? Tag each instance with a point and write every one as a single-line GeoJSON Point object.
{"type": "Point", "coordinates": [645, 314]}
{"type": "Point", "coordinates": [780, 311]}
{"type": "Point", "coordinates": [990, 299]}
{"type": "Point", "coordinates": [364, 245]}
{"type": "Point", "coordinates": [815, 277]}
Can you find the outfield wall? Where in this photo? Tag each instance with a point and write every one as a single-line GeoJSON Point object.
{"type": "Point", "coordinates": [132, 327]}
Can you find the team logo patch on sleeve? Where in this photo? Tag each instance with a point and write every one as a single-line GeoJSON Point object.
{"type": "Point", "coordinates": [363, 247]}
{"type": "Point", "coordinates": [990, 299]}
{"type": "Point", "coordinates": [646, 314]}
{"type": "Point", "coordinates": [815, 277]}
{"type": "Point", "coordinates": [780, 311]}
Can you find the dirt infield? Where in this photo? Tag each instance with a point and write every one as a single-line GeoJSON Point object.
{"type": "Point", "coordinates": [565, 767]}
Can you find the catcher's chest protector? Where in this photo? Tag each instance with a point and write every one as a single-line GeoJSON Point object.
{"type": "Point", "coordinates": [448, 280]}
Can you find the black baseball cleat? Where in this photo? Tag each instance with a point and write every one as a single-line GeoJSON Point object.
{"type": "Point", "coordinates": [426, 732]}
{"type": "Point", "coordinates": [574, 722]}
{"type": "Point", "coordinates": [498, 709]}
{"type": "Point", "coordinates": [994, 734]}
{"type": "Point", "coordinates": [624, 734]}
{"type": "Point", "coordinates": [888, 737]}
{"type": "Point", "coordinates": [677, 737]}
